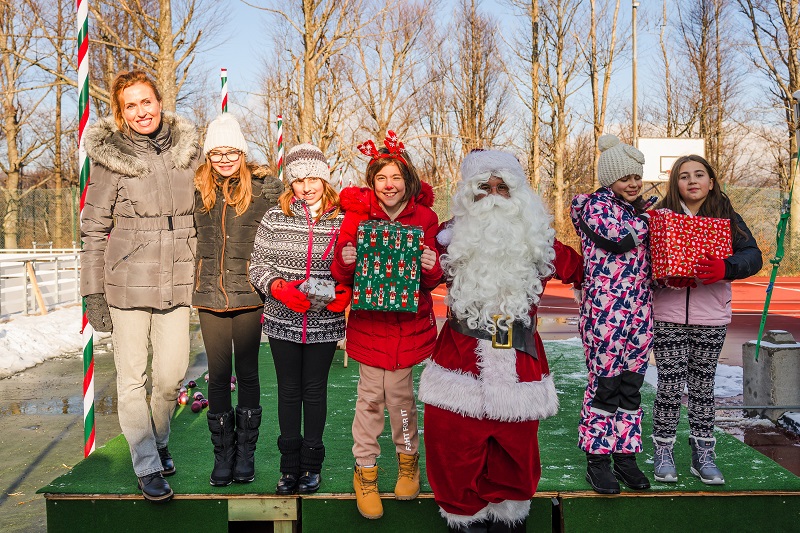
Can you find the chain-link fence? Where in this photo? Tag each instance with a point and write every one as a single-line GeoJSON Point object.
{"type": "Point", "coordinates": [40, 218]}
{"type": "Point", "coordinates": [759, 207]}
{"type": "Point", "coordinates": [49, 218]}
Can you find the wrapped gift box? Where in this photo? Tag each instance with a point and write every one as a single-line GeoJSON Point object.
{"type": "Point", "coordinates": [387, 266]}
{"type": "Point", "coordinates": [677, 241]}
{"type": "Point", "coordinates": [320, 292]}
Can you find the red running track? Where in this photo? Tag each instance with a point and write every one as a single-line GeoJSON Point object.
{"type": "Point", "coordinates": [558, 312]}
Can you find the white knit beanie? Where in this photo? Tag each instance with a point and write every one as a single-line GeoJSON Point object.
{"type": "Point", "coordinates": [479, 165]}
{"type": "Point", "coordinates": [617, 160]}
{"type": "Point", "coordinates": [307, 161]}
{"type": "Point", "coordinates": [224, 131]}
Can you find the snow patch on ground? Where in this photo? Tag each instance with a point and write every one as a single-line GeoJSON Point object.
{"type": "Point", "coordinates": [26, 341]}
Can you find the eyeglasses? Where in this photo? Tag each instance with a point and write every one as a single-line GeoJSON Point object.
{"type": "Point", "coordinates": [499, 188]}
{"type": "Point", "coordinates": [216, 157]}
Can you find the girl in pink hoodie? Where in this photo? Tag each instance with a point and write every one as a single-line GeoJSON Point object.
{"type": "Point", "coordinates": [691, 320]}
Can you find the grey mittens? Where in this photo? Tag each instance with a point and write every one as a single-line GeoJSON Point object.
{"type": "Point", "coordinates": [97, 312]}
{"type": "Point", "coordinates": [272, 189]}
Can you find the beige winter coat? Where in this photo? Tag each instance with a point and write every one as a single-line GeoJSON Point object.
{"type": "Point", "coordinates": [137, 225]}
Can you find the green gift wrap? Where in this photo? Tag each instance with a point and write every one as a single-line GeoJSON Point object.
{"type": "Point", "coordinates": [387, 266]}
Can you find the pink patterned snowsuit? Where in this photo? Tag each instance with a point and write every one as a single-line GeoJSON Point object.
{"type": "Point", "coordinates": [616, 321]}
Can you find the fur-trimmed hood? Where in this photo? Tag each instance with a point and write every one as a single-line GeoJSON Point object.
{"type": "Point", "coordinates": [107, 146]}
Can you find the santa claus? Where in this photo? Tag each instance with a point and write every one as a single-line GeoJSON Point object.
{"type": "Point", "coordinates": [488, 384]}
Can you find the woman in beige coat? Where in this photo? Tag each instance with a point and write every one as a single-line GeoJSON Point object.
{"type": "Point", "coordinates": [137, 263]}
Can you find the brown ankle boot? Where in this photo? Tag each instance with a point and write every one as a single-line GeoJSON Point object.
{"type": "Point", "coordinates": [407, 487]}
{"type": "Point", "coordinates": [365, 485]}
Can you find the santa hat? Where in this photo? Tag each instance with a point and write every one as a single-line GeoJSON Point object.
{"type": "Point", "coordinates": [224, 131]}
{"type": "Point", "coordinates": [307, 161]}
{"type": "Point", "coordinates": [617, 160]}
{"type": "Point", "coordinates": [479, 165]}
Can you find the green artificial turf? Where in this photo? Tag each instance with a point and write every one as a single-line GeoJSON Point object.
{"type": "Point", "coordinates": [108, 470]}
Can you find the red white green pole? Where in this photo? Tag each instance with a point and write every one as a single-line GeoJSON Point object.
{"type": "Point", "coordinates": [280, 147]}
{"type": "Point", "coordinates": [83, 166]}
{"type": "Point", "coordinates": [223, 74]}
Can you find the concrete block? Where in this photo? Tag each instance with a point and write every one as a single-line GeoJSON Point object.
{"type": "Point", "coordinates": [775, 378]}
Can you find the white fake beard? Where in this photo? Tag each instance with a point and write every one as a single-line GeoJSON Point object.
{"type": "Point", "coordinates": [500, 251]}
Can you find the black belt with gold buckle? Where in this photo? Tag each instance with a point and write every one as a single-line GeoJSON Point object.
{"type": "Point", "coordinates": [518, 336]}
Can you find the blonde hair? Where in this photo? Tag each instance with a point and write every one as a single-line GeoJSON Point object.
{"type": "Point", "coordinates": [237, 189]}
{"type": "Point", "coordinates": [330, 198]}
{"type": "Point", "coordinates": [122, 81]}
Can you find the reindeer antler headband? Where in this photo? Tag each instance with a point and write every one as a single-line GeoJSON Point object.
{"type": "Point", "coordinates": [392, 143]}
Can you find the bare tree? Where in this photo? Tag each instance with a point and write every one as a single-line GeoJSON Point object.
{"type": "Point", "coordinates": [603, 49]}
{"type": "Point", "coordinates": [388, 59]}
{"type": "Point", "coordinates": [526, 49]}
{"type": "Point", "coordinates": [19, 107]}
{"type": "Point", "coordinates": [775, 29]}
{"type": "Point", "coordinates": [479, 86]}
{"type": "Point", "coordinates": [322, 29]}
{"type": "Point", "coordinates": [559, 79]}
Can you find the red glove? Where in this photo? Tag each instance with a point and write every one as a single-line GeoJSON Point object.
{"type": "Point", "coordinates": [710, 269]}
{"type": "Point", "coordinates": [680, 283]}
{"type": "Point", "coordinates": [342, 300]}
{"type": "Point", "coordinates": [288, 293]}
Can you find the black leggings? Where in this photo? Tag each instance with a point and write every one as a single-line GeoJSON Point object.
{"type": "Point", "coordinates": [302, 371]}
{"type": "Point", "coordinates": [223, 334]}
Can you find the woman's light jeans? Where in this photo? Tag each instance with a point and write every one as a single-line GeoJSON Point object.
{"type": "Point", "coordinates": [146, 427]}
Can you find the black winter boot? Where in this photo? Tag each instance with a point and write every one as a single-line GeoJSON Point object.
{"type": "Point", "coordinates": [248, 421]}
{"type": "Point", "coordinates": [475, 527]}
{"type": "Point", "coordinates": [599, 474]}
{"type": "Point", "coordinates": [498, 526]}
{"type": "Point", "coordinates": [290, 464]}
{"type": "Point", "coordinates": [310, 468]}
{"type": "Point", "coordinates": [223, 437]}
{"type": "Point", "coordinates": [627, 471]}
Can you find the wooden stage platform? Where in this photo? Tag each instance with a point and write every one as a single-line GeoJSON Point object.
{"type": "Point", "coordinates": [99, 494]}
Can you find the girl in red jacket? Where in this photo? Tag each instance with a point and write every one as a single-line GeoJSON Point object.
{"type": "Point", "coordinates": [388, 344]}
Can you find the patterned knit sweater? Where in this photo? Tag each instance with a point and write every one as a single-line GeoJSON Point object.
{"type": "Point", "coordinates": [295, 248]}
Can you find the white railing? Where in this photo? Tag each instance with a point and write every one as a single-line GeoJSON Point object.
{"type": "Point", "coordinates": [32, 281]}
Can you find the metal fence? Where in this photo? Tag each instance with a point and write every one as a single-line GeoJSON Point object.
{"type": "Point", "coordinates": [759, 207]}
{"type": "Point", "coordinates": [49, 219]}
{"type": "Point", "coordinates": [45, 218]}
{"type": "Point", "coordinates": [32, 281]}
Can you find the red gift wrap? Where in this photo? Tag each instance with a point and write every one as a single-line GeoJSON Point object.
{"type": "Point", "coordinates": [678, 241]}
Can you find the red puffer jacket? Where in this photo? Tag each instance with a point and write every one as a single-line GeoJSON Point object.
{"type": "Point", "coordinates": [385, 339]}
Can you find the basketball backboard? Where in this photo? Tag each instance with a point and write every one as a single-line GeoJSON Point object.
{"type": "Point", "coordinates": [661, 153]}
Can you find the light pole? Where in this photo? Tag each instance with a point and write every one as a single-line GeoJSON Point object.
{"type": "Point", "coordinates": [634, 118]}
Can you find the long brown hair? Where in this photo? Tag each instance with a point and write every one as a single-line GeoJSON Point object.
{"type": "Point", "coordinates": [330, 198]}
{"type": "Point", "coordinates": [409, 173]}
{"type": "Point", "coordinates": [237, 189]}
{"type": "Point", "coordinates": [122, 81]}
{"type": "Point", "coordinates": [716, 205]}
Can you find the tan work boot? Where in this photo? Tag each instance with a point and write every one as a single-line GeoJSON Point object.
{"type": "Point", "coordinates": [407, 487]}
{"type": "Point", "coordinates": [365, 485]}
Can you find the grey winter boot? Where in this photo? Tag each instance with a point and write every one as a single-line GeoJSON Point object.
{"type": "Point", "coordinates": [663, 460]}
{"type": "Point", "coordinates": [703, 465]}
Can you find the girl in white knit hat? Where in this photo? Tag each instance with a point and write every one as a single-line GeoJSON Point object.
{"type": "Point", "coordinates": [616, 320]}
{"type": "Point", "coordinates": [231, 197]}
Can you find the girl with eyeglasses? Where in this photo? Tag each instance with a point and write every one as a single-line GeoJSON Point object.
{"type": "Point", "coordinates": [231, 197]}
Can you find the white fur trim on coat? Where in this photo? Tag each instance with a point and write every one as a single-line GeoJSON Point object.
{"type": "Point", "coordinates": [511, 512]}
{"type": "Point", "coordinates": [497, 394]}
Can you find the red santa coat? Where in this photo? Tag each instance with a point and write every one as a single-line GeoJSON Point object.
{"type": "Point", "coordinates": [493, 398]}
{"type": "Point", "coordinates": [389, 340]}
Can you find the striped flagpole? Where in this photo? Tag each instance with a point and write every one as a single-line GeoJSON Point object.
{"type": "Point", "coordinates": [223, 74]}
{"type": "Point", "coordinates": [83, 165]}
{"type": "Point", "coordinates": [280, 147]}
